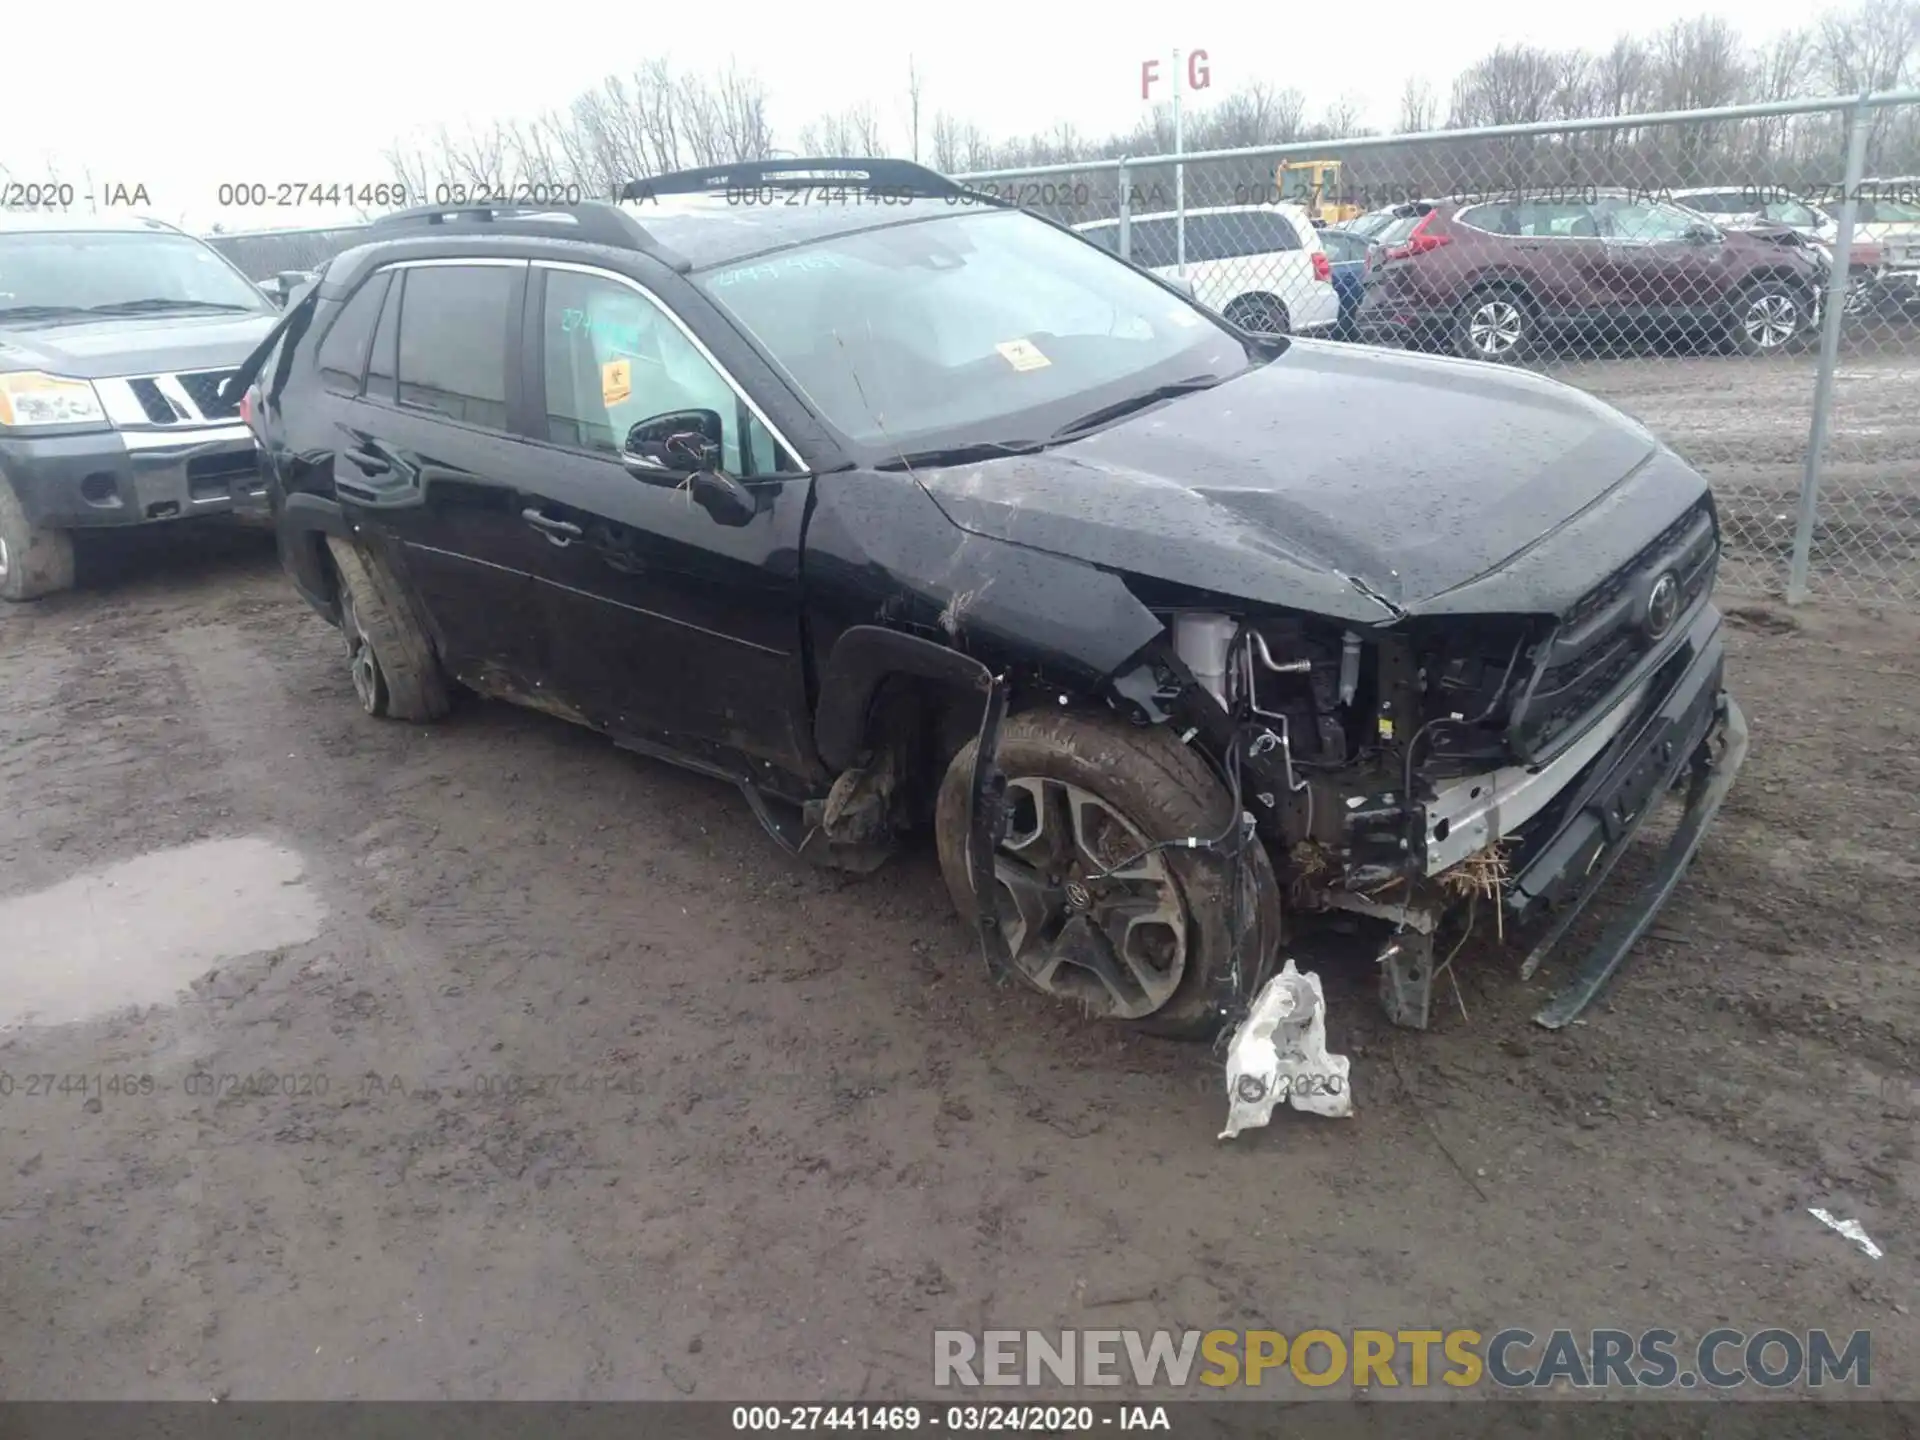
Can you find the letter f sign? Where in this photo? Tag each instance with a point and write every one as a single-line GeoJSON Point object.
{"type": "Point", "coordinates": [1149, 72]}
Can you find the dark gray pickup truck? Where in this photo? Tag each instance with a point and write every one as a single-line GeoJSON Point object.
{"type": "Point", "coordinates": [115, 334]}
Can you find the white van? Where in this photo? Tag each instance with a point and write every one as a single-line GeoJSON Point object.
{"type": "Point", "coordinates": [1261, 266]}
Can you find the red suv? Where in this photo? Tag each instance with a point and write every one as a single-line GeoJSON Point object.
{"type": "Point", "coordinates": [1499, 278]}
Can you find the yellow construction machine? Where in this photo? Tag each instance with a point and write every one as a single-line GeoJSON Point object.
{"type": "Point", "coordinates": [1315, 184]}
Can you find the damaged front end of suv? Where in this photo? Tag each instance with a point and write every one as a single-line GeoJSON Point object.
{"type": "Point", "coordinates": [1473, 737]}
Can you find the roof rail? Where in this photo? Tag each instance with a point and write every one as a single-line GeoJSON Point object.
{"type": "Point", "coordinates": [876, 173]}
{"type": "Point", "coordinates": [593, 222]}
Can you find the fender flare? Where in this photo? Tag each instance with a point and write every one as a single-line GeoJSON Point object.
{"type": "Point", "coordinates": [861, 660]}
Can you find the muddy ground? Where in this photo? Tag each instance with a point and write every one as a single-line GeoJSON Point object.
{"type": "Point", "coordinates": [793, 1129]}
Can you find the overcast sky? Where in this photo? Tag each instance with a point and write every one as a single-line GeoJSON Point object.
{"type": "Point", "coordinates": [317, 93]}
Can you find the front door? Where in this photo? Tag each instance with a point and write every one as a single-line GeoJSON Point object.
{"type": "Point", "coordinates": [1662, 267]}
{"type": "Point", "coordinates": [669, 627]}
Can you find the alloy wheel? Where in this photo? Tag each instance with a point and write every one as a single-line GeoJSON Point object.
{"type": "Point", "coordinates": [1087, 917]}
{"type": "Point", "coordinates": [1771, 320]}
{"type": "Point", "coordinates": [1495, 327]}
{"type": "Point", "coordinates": [369, 685]}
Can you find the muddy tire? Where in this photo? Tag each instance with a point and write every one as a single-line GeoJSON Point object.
{"type": "Point", "coordinates": [1162, 950]}
{"type": "Point", "coordinates": [33, 561]}
{"type": "Point", "coordinates": [396, 674]}
{"type": "Point", "coordinates": [1496, 325]}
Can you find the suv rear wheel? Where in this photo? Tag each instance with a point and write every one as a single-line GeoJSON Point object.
{"type": "Point", "coordinates": [1262, 314]}
{"type": "Point", "coordinates": [396, 675]}
{"type": "Point", "coordinates": [1152, 943]}
{"type": "Point", "coordinates": [33, 561]}
{"type": "Point", "coordinates": [1767, 318]}
{"type": "Point", "coordinates": [1495, 325]}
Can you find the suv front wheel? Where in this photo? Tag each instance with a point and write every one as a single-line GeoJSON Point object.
{"type": "Point", "coordinates": [396, 674]}
{"type": "Point", "coordinates": [1768, 317]}
{"type": "Point", "coordinates": [1093, 911]}
{"type": "Point", "coordinates": [33, 561]}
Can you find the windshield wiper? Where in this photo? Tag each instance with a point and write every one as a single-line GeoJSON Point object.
{"type": "Point", "coordinates": [964, 454]}
{"type": "Point", "coordinates": [155, 303]}
{"type": "Point", "coordinates": [39, 312]}
{"type": "Point", "coordinates": [1122, 408]}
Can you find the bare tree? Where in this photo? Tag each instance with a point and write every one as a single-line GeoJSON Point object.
{"type": "Point", "coordinates": [867, 134]}
{"type": "Point", "coordinates": [1255, 114]}
{"type": "Point", "coordinates": [913, 109]}
{"type": "Point", "coordinates": [1343, 118]}
{"type": "Point", "coordinates": [948, 146]}
{"type": "Point", "coordinates": [1419, 110]}
{"type": "Point", "coordinates": [1513, 85]}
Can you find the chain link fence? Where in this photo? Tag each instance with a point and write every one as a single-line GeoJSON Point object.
{"type": "Point", "coordinates": [1745, 281]}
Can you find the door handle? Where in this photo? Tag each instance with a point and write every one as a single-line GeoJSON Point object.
{"type": "Point", "coordinates": [560, 532]}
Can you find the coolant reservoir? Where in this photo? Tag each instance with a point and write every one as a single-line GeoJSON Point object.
{"type": "Point", "coordinates": [1203, 641]}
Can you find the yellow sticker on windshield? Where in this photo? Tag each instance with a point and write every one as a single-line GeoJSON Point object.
{"type": "Point", "coordinates": [616, 381]}
{"type": "Point", "coordinates": [1023, 355]}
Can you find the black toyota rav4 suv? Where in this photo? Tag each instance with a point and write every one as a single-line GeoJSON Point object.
{"type": "Point", "coordinates": [831, 478]}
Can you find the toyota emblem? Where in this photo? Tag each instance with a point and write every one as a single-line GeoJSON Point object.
{"type": "Point", "coordinates": [1663, 605]}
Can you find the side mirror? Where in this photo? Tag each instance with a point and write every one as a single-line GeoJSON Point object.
{"type": "Point", "coordinates": [679, 442]}
{"type": "Point", "coordinates": [281, 287]}
{"type": "Point", "coordinates": [687, 445]}
{"type": "Point", "coordinates": [724, 498]}
{"type": "Point", "coordinates": [1703, 235]}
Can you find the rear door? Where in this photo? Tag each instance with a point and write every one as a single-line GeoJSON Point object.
{"type": "Point", "coordinates": [1554, 247]}
{"type": "Point", "coordinates": [427, 462]}
{"type": "Point", "coordinates": [669, 627]}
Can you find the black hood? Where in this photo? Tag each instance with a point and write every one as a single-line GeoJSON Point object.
{"type": "Point", "coordinates": [1350, 482]}
{"type": "Point", "coordinates": [134, 345]}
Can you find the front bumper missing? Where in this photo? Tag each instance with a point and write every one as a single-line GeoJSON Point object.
{"type": "Point", "coordinates": [1713, 767]}
{"type": "Point", "coordinates": [1600, 795]}
{"type": "Point", "coordinates": [1563, 828]}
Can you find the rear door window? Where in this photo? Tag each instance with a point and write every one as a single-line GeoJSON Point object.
{"type": "Point", "coordinates": [454, 329]}
{"type": "Point", "coordinates": [1240, 233]}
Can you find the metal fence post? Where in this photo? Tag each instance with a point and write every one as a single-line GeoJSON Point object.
{"type": "Point", "coordinates": [1126, 210]}
{"type": "Point", "coordinates": [1179, 175]}
{"type": "Point", "coordinates": [1859, 120]}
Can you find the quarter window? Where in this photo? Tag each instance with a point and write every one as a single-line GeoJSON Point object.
{"type": "Point", "coordinates": [343, 355]}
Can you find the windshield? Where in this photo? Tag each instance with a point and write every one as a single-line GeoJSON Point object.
{"type": "Point", "coordinates": [1882, 211]}
{"type": "Point", "coordinates": [972, 327]}
{"type": "Point", "coordinates": [92, 270]}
